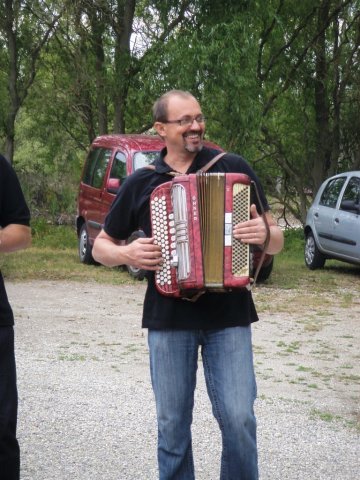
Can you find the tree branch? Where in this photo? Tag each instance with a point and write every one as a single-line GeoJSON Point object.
{"type": "Point", "coordinates": [293, 70]}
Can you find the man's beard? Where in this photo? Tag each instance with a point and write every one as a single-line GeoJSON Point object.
{"type": "Point", "coordinates": [194, 148]}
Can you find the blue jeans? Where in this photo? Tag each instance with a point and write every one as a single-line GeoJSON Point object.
{"type": "Point", "coordinates": [231, 386]}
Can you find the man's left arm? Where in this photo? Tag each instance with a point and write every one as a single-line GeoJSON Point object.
{"type": "Point", "coordinates": [254, 232]}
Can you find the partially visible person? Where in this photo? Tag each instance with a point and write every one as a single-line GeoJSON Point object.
{"type": "Point", "coordinates": [15, 234]}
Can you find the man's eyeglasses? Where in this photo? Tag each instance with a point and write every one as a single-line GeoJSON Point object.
{"type": "Point", "coordinates": [187, 121]}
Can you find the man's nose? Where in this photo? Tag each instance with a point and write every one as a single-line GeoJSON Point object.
{"type": "Point", "coordinates": [196, 123]}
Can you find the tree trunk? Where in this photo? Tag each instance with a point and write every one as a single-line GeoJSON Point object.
{"type": "Point", "coordinates": [98, 20]}
{"type": "Point", "coordinates": [12, 80]}
{"type": "Point", "coordinates": [18, 84]}
{"type": "Point", "coordinates": [123, 30]}
{"type": "Point", "coordinates": [322, 159]}
{"type": "Point", "coordinates": [336, 136]}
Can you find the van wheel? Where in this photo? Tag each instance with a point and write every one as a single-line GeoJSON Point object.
{"type": "Point", "coordinates": [137, 273]}
{"type": "Point", "coordinates": [313, 257]}
{"type": "Point", "coordinates": [85, 254]}
{"type": "Point", "coordinates": [265, 271]}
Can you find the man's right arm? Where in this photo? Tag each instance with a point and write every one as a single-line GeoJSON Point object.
{"type": "Point", "coordinates": [141, 253]}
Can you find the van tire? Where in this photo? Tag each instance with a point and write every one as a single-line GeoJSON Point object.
{"type": "Point", "coordinates": [265, 271]}
{"type": "Point", "coordinates": [137, 273]}
{"type": "Point", "coordinates": [85, 254]}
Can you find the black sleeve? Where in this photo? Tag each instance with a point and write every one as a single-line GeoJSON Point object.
{"type": "Point", "coordinates": [13, 208]}
{"type": "Point", "coordinates": [120, 222]}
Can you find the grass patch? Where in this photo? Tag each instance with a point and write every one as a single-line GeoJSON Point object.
{"type": "Point", "coordinates": [74, 357]}
{"type": "Point", "coordinates": [290, 271]}
{"type": "Point", "coordinates": [301, 368]}
{"type": "Point", "coordinates": [54, 256]}
{"type": "Point", "coordinates": [325, 416]}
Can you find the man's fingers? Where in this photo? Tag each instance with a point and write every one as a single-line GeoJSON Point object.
{"type": "Point", "coordinates": [253, 211]}
{"type": "Point", "coordinates": [144, 253]}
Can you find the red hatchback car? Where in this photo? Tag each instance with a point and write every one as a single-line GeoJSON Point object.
{"type": "Point", "coordinates": [111, 158]}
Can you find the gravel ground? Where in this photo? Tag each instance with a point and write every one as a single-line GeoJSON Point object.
{"type": "Point", "coordinates": [86, 406]}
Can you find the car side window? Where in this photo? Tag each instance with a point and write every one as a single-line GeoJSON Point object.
{"type": "Point", "coordinates": [90, 165]}
{"type": "Point", "coordinates": [352, 190]}
{"type": "Point", "coordinates": [332, 191]}
{"type": "Point", "coordinates": [118, 169]}
{"type": "Point", "coordinates": [95, 167]}
{"type": "Point", "coordinates": [100, 168]}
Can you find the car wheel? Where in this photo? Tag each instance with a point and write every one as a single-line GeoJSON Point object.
{"type": "Point", "coordinates": [313, 257]}
{"type": "Point", "coordinates": [134, 272]}
{"type": "Point", "coordinates": [265, 271]}
{"type": "Point", "coordinates": [85, 254]}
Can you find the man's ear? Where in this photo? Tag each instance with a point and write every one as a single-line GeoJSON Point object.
{"type": "Point", "coordinates": [160, 128]}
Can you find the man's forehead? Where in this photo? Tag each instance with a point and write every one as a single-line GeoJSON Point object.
{"type": "Point", "coordinates": [183, 105]}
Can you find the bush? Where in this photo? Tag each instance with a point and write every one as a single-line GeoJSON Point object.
{"type": "Point", "coordinates": [294, 242]}
{"type": "Point", "coordinates": [45, 234]}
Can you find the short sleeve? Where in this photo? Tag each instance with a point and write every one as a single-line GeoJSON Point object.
{"type": "Point", "coordinates": [13, 207]}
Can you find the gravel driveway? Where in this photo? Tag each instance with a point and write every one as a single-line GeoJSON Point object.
{"type": "Point", "coordinates": [86, 407]}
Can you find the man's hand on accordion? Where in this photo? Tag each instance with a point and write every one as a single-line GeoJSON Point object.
{"type": "Point", "coordinates": [144, 253]}
{"type": "Point", "coordinates": [141, 253]}
{"type": "Point", "coordinates": [252, 231]}
{"type": "Point", "coordinates": [256, 232]}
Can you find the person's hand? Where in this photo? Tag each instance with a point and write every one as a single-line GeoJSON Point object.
{"type": "Point", "coordinates": [252, 231]}
{"type": "Point", "coordinates": [144, 253]}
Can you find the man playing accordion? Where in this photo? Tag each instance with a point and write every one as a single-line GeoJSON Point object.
{"type": "Point", "coordinates": [217, 323]}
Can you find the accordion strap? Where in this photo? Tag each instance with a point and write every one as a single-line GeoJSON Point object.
{"type": "Point", "coordinates": [204, 169]}
{"type": "Point", "coordinates": [267, 240]}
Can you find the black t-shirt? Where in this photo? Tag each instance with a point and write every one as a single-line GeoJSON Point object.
{"type": "Point", "coordinates": [13, 210]}
{"type": "Point", "coordinates": [131, 211]}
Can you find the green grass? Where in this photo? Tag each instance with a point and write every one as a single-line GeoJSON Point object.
{"type": "Point", "coordinates": [54, 256]}
{"type": "Point", "coordinates": [291, 273]}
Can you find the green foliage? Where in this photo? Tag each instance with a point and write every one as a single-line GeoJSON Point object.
{"type": "Point", "coordinates": [49, 170]}
{"type": "Point", "coordinates": [253, 69]}
{"type": "Point", "coordinates": [46, 235]}
{"type": "Point", "coordinates": [54, 256]}
{"type": "Point", "coordinates": [294, 243]}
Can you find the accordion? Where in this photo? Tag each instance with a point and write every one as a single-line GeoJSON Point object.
{"type": "Point", "coordinates": [192, 220]}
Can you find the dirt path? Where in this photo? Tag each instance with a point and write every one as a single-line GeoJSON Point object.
{"type": "Point", "coordinates": [86, 406]}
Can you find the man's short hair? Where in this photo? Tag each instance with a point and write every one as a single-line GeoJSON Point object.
{"type": "Point", "coordinates": [160, 108]}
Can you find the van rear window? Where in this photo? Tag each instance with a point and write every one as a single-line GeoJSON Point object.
{"type": "Point", "coordinates": [141, 159]}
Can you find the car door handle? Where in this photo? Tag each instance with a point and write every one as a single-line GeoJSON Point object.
{"type": "Point", "coordinates": [336, 220]}
{"type": "Point", "coordinates": [316, 215]}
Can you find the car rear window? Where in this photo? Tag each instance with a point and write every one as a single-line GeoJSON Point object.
{"type": "Point", "coordinates": [118, 169]}
{"type": "Point", "coordinates": [352, 191]}
{"type": "Point", "coordinates": [332, 191]}
{"type": "Point", "coordinates": [141, 159]}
